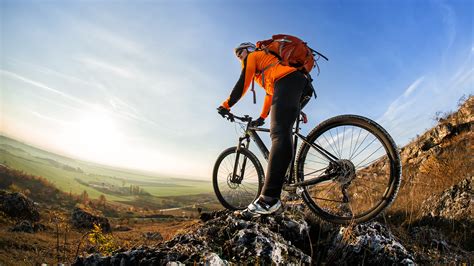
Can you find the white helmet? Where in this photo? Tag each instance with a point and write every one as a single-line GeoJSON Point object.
{"type": "Point", "coordinates": [245, 45]}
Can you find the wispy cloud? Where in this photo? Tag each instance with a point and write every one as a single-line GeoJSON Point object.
{"type": "Point", "coordinates": [413, 86]}
{"type": "Point", "coordinates": [42, 86]}
{"type": "Point", "coordinates": [411, 113]}
{"type": "Point", "coordinates": [120, 112]}
{"type": "Point", "coordinates": [52, 119]}
{"type": "Point", "coordinates": [98, 64]}
{"type": "Point", "coordinates": [402, 102]}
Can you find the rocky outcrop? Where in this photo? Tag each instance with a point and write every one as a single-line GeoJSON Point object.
{"type": "Point", "coordinates": [225, 238]}
{"type": "Point", "coordinates": [371, 243]}
{"type": "Point", "coordinates": [455, 203]}
{"type": "Point", "coordinates": [17, 205]}
{"type": "Point", "coordinates": [28, 227]}
{"type": "Point", "coordinates": [456, 123]}
{"type": "Point", "coordinates": [85, 219]}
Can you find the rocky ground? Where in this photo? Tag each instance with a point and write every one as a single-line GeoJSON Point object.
{"type": "Point", "coordinates": [295, 237]}
{"type": "Point", "coordinates": [431, 221]}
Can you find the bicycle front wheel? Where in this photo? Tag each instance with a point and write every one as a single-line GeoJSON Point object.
{"type": "Point", "coordinates": [367, 166]}
{"type": "Point", "coordinates": [237, 178]}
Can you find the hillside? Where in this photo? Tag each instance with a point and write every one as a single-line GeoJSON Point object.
{"type": "Point", "coordinates": [119, 185]}
{"type": "Point", "coordinates": [43, 230]}
{"type": "Point", "coordinates": [437, 159]}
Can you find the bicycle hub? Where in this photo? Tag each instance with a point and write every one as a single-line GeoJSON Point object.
{"type": "Point", "coordinates": [345, 170]}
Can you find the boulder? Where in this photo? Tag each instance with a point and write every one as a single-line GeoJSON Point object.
{"type": "Point", "coordinates": [455, 203]}
{"type": "Point", "coordinates": [28, 227]}
{"type": "Point", "coordinates": [17, 205]}
{"type": "Point", "coordinates": [153, 236]}
{"type": "Point", "coordinates": [85, 219]}
{"type": "Point", "coordinates": [371, 243]}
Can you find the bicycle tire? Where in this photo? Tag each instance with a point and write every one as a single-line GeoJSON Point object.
{"type": "Point", "coordinates": [223, 171]}
{"type": "Point", "coordinates": [389, 163]}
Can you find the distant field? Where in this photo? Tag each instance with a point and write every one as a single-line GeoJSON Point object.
{"type": "Point", "coordinates": [65, 172]}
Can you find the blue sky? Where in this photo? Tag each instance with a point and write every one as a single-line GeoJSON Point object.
{"type": "Point", "coordinates": [136, 83]}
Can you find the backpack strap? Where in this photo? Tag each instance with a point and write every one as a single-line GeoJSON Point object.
{"type": "Point", "coordinates": [263, 81]}
{"type": "Point", "coordinates": [253, 90]}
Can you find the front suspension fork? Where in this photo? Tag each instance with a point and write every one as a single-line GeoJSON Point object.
{"type": "Point", "coordinates": [238, 178]}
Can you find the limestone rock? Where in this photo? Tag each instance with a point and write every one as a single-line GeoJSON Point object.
{"type": "Point", "coordinates": [370, 243]}
{"type": "Point", "coordinates": [82, 218]}
{"type": "Point", "coordinates": [28, 227]}
{"type": "Point", "coordinates": [455, 203]}
{"type": "Point", "coordinates": [17, 205]}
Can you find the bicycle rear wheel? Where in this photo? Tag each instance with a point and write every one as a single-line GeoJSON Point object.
{"type": "Point", "coordinates": [367, 165]}
{"type": "Point", "coordinates": [236, 192]}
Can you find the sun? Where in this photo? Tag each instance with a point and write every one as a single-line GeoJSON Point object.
{"type": "Point", "coordinates": [94, 135]}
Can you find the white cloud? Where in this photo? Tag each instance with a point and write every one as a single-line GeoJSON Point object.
{"type": "Point", "coordinates": [402, 103]}
{"type": "Point", "coordinates": [42, 86]}
{"type": "Point", "coordinates": [98, 64]}
{"type": "Point", "coordinates": [412, 112]}
{"type": "Point", "coordinates": [413, 86]}
{"type": "Point", "coordinates": [51, 119]}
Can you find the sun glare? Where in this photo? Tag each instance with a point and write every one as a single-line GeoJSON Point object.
{"type": "Point", "coordinates": [94, 135]}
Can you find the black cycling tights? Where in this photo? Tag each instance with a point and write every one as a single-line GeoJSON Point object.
{"type": "Point", "coordinates": [287, 97]}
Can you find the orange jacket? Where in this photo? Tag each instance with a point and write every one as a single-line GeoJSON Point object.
{"type": "Point", "coordinates": [266, 70]}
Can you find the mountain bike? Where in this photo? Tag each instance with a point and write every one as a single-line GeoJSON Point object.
{"type": "Point", "coordinates": [346, 170]}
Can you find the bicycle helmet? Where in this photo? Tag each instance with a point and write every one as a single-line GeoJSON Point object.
{"type": "Point", "coordinates": [245, 45]}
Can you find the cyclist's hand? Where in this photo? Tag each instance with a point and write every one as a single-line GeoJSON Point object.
{"type": "Point", "coordinates": [257, 123]}
{"type": "Point", "coordinates": [222, 111]}
{"type": "Point", "coordinates": [225, 113]}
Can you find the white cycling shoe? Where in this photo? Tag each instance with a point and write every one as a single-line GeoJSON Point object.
{"type": "Point", "coordinates": [259, 206]}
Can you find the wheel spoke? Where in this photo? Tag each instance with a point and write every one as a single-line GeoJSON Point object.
{"type": "Point", "coordinates": [356, 147]}
{"type": "Point", "coordinates": [343, 134]}
{"type": "Point", "coordinates": [335, 144]}
{"type": "Point", "coordinates": [330, 146]}
{"type": "Point", "coordinates": [315, 171]}
{"type": "Point", "coordinates": [355, 156]}
{"type": "Point", "coordinates": [368, 156]}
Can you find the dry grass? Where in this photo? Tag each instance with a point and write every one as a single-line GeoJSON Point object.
{"type": "Point", "coordinates": [441, 169]}
{"type": "Point", "coordinates": [17, 248]}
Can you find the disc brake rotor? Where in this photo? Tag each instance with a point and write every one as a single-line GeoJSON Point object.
{"type": "Point", "coordinates": [233, 183]}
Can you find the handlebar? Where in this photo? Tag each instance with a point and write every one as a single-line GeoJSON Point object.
{"type": "Point", "coordinates": [245, 118]}
{"type": "Point", "coordinates": [230, 116]}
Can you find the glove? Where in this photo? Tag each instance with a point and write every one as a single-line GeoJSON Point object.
{"type": "Point", "coordinates": [225, 113]}
{"type": "Point", "coordinates": [222, 111]}
{"type": "Point", "coordinates": [257, 123]}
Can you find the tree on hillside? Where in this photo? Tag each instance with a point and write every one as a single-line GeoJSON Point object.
{"type": "Point", "coordinates": [84, 197]}
{"type": "Point", "coordinates": [102, 200]}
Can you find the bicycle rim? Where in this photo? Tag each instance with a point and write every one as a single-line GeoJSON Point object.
{"type": "Point", "coordinates": [237, 192]}
{"type": "Point", "coordinates": [362, 146]}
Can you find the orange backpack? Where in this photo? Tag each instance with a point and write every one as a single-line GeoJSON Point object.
{"type": "Point", "coordinates": [291, 51]}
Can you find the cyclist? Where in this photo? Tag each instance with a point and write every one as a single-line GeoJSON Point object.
{"type": "Point", "coordinates": [287, 91]}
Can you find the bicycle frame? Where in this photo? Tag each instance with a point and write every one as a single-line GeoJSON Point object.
{"type": "Point", "coordinates": [251, 133]}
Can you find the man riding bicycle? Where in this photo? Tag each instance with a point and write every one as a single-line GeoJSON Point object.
{"type": "Point", "coordinates": [287, 91]}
